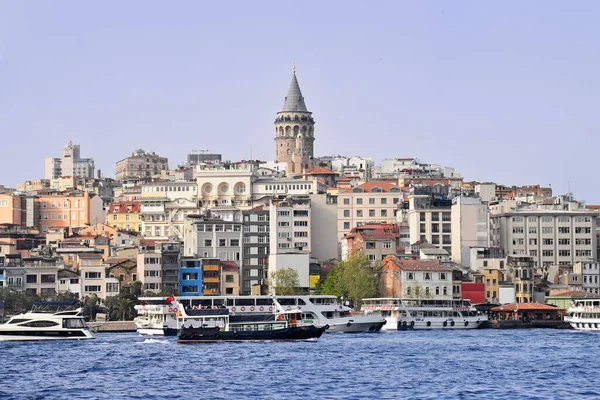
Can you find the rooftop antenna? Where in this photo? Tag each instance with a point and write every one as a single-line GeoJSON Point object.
{"type": "Point", "coordinates": [294, 67]}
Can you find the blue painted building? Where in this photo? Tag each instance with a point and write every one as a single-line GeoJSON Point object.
{"type": "Point", "coordinates": [190, 277]}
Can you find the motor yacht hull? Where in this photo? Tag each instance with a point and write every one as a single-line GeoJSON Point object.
{"type": "Point", "coordinates": [73, 334]}
{"type": "Point", "coordinates": [195, 335]}
{"type": "Point", "coordinates": [356, 326]}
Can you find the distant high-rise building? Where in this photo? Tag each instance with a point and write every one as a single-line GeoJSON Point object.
{"type": "Point", "coordinates": [70, 164]}
{"type": "Point", "coordinates": [203, 157]}
{"type": "Point", "coordinates": [294, 131]}
{"type": "Point", "coordinates": [140, 165]}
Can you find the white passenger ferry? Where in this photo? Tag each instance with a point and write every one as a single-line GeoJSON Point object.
{"type": "Point", "coordinates": [156, 316]}
{"type": "Point", "coordinates": [404, 314]}
{"type": "Point", "coordinates": [584, 314]}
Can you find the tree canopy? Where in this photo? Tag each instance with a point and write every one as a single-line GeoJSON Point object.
{"type": "Point", "coordinates": [285, 282]}
{"type": "Point", "coordinates": [353, 279]}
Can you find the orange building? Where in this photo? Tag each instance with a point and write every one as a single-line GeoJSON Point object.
{"type": "Point", "coordinates": [12, 209]}
{"type": "Point", "coordinates": [73, 210]}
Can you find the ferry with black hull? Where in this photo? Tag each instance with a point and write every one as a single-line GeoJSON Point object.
{"type": "Point", "coordinates": [217, 325]}
{"type": "Point", "coordinates": [47, 321]}
{"type": "Point", "coordinates": [156, 316]}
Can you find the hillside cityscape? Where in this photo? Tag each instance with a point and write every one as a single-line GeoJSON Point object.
{"type": "Point", "coordinates": [214, 227]}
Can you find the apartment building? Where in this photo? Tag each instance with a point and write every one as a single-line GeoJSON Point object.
{"type": "Point", "coordinates": [125, 216]}
{"type": "Point", "coordinates": [70, 164]}
{"type": "Point", "coordinates": [415, 278]}
{"type": "Point", "coordinates": [93, 275]}
{"type": "Point", "coordinates": [371, 202]}
{"type": "Point", "coordinates": [256, 224]}
{"type": "Point", "coordinates": [557, 233]}
{"type": "Point", "coordinates": [149, 269]}
{"type": "Point", "coordinates": [469, 220]}
{"type": "Point", "coordinates": [521, 272]}
{"type": "Point", "coordinates": [209, 237]}
{"type": "Point", "coordinates": [429, 216]}
{"type": "Point", "coordinates": [12, 209]}
{"type": "Point", "coordinates": [290, 225]}
{"type": "Point", "coordinates": [71, 210]}
{"type": "Point", "coordinates": [141, 165]}
{"type": "Point", "coordinates": [165, 207]}
{"type": "Point", "coordinates": [589, 275]}
{"type": "Point", "coordinates": [376, 241]}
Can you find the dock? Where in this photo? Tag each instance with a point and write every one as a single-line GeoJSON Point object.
{"type": "Point", "coordinates": [113, 326]}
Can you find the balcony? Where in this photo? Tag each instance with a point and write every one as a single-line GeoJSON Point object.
{"type": "Point", "coordinates": [211, 267]}
{"type": "Point", "coordinates": [211, 292]}
{"type": "Point", "coordinates": [211, 280]}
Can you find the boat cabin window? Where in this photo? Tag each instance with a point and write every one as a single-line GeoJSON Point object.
{"type": "Point", "coordinates": [301, 302]}
{"type": "Point", "coordinates": [244, 302]}
{"type": "Point", "coordinates": [230, 302]}
{"type": "Point", "coordinates": [264, 302]}
{"type": "Point", "coordinates": [17, 321]}
{"type": "Point", "coordinates": [323, 300]}
{"type": "Point", "coordinates": [40, 324]}
{"type": "Point", "coordinates": [73, 323]}
{"type": "Point", "coordinates": [287, 302]}
{"type": "Point", "coordinates": [328, 314]}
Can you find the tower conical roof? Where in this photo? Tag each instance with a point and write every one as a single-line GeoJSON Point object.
{"type": "Point", "coordinates": [294, 100]}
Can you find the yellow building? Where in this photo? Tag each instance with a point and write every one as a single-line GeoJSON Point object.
{"type": "Point", "coordinates": [492, 279]}
{"type": "Point", "coordinates": [125, 216]}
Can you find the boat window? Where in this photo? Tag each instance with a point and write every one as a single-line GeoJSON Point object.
{"type": "Point", "coordinates": [230, 302]}
{"type": "Point", "coordinates": [322, 300]}
{"type": "Point", "coordinates": [287, 302]}
{"type": "Point", "coordinates": [244, 302]}
{"type": "Point", "coordinates": [17, 321]}
{"type": "Point", "coordinates": [40, 324]}
{"type": "Point", "coordinates": [301, 302]}
{"type": "Point", "coordinates": [206, 302]}
{"type": "Point", "coordinates": [73, 323]}
{"type": "Point", "coordinates": [264, 302]}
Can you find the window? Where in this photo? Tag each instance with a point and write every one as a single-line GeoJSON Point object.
{"type": "Point", "coordinates": [564, 229]}
{"type": "Point", "coordinates": [422, 217]}
{"type": "Point", "coordinates": [234, 242]}
{"type": "Point", "coordinates": [533, 230]}
{"type": "Point", "coordinates": [564, 242]}
{"type": "Point", "coordinates": [346, 201]}
{"type": "Point", "coordinates": [31, 279]}
{"type": "Point", "coordinates": [446, 216]}
{"type": "Point", "coordinates": [427, 275]}
{"type": "Point", "coordinates": [548, 253]}
{"type": "Point", "coordinates": [386, 245]}
{"type": "Point", "coordinates": [93, 288]}
{"type": "Point", "coordinates": [564, 253]}
{"type": "Point", "coordinates": [229, 278]}
{"type": "Point", "coordinates": [359, 201]}
{"type": "Point", "coordinates": [207, 242]}
{"type": "Point", "coordinates": [371, 213]}
{"type": "Point", "coordinates": [346, 225]}
{"type": "Point", "coordinates": [548, 242]}
{"type": "Point", "coordinates": [548, 229]}
{"type": "Point", "coordinates": [346, 213]}
{"type": "Point", "coordinates": [300, 234]}
{"type": "Point", "coordinates": [359, 213]}
{"type": "Point", "coordinates": [371, 200]}
{"type": "Point", "coordinates": [283, 223]}
{"type": "Point", "coordinates": [222, 242]}
{"type": "Point", "coordinates": [411, 276]}
{"type": "Point", "coordinates": [370, 245]}
{"type": "Point", "coordinates": [384, 213]}
{"type": "Point", "coordinates": [517, 229]}
{"type": "Point", "coordinates": [93, 275]}
{"type": "Point", "coordinates": [371, 257]}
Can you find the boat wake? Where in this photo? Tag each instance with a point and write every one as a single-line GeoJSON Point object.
{"type": "Point", "coordinates": [164, 341]}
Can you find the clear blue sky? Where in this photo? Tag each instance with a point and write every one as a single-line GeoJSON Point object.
{"type": "Point", "coordinates": [502, 91]}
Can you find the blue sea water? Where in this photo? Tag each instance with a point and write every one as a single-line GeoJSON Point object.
{"type": "Point", "coordinates": [490, 364]}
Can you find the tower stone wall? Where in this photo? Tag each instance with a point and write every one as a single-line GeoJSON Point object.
{"type": "Point", "coordinates": [294, 132]}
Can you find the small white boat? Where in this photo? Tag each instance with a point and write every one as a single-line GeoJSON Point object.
{"type": "Point", "coordinates": [409, 314]}
{"type": "Point", "coordinates": [584, 314]}
{"type": "Point", "coordinates": [47, 321]}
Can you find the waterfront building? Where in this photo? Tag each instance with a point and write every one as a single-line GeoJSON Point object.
{"type": "Point", "coordinates": [70, 164]}
{"type": "Point", "coordinates": [294, 131]}
{"type": "Point", "coordinates": [520, 270]}
{"type": "Point", "coordinates": [200, 276]}
{"type": "Point", "coordinates": [415, 278]}
{"type": "Point", "coordinates": [588, 274]}
{"type": "Point", "coordinates": [93, 275]}
{"type": "Point", "coordinates": [125, 216]}
{"type": "Point", "coordinates": [68, 282]}
{"type": "Point", "coordinates": [140, 165]}
{"type": "Point", "coordinates": [290, 224]}
{"type": "Point", "coordinates": [371, 202]}
{"type": "Point", "coordinates": [323, 226]}
{"type": "Point", "coordinates": [557, 231]}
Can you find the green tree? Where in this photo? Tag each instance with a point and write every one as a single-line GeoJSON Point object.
{"type": "Point", "coordinates": [354, 279]}
{"type": "Point", "coordinates": [124, 309]}
{"type": "Point", "coordinates": [285, 282]}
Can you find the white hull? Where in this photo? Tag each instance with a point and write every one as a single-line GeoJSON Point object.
{"type": "Point", "coordinates": [428, 324]}
{"type": "Point", "coordinates": [4, 338]}
{"type": "Point", "coordinates": [585, 325]}
{"type": "Point", "coordinates": [151, 331]}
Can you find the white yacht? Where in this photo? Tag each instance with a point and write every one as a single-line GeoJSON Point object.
{"type": "Point", "coordinates": [408, 314]}
{"type": "Point", "coordinates": [584, 314]}
{"type": "Point", "coordinates": [47, 321]}
{"type": "Point", "coordinates": [156, 316]}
